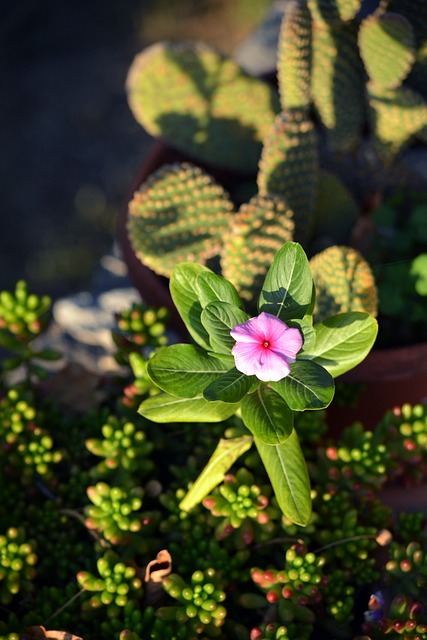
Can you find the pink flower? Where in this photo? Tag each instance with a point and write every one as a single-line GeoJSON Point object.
{"type": "Point", "coordinates": [265, 347]}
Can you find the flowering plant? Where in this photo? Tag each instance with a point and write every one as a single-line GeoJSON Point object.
{"type": "Point", "coordinates": [262, 369]}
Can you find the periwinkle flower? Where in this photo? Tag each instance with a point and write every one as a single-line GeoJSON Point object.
{"type": "Point", "coordinates": [265, 347]}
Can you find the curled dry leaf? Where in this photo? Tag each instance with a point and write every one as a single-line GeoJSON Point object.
{"type": "Point", "coordinates": [155, 571]}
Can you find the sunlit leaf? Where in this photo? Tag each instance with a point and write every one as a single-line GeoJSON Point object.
{"type": "Point", "coordinates": [222, 459]}
{"type": "Point", "coordinates": [288, 475]}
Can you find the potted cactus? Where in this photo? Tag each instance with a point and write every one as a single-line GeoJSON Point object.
{"type": "Point", "coordinates": [324, 151]}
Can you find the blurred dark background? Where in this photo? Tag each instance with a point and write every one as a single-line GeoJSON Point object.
{"type": "Point", "coordinates": [69, 144]}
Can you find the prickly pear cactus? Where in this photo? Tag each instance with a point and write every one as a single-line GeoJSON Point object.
{"type": "Point", "coordinates": [259, 230]}
{"type": "Point", "coordinates": [288, 168]}
{"type": "Point", "coordinates": [398, 116]}
{"type": "Point", "coordinates": [344, 282]}
{"type": "Point", "coordinates": [180, 214]}
{"type": "Point", "coordinates": [387, 46]}
{"type": "Point", "coordinates": [397, 113]}
{"type": "Point", "coordinates": [338, 83]}
{"type": "Point", "coordinates": [202, 103]}
{"type": "Point", "coordinates": [336, 211]}
{"type": "Point", "coordinates": [335, 11]}
{"type": "Point", "coordinates": [294, 57]}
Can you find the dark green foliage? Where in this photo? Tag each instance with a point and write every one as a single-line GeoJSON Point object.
{"type": "Point", "coordinates": [76, 540]}
{"type": "Point", "coordinates": [397, 254]}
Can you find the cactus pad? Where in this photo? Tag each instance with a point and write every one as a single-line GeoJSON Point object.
{"type": "Point", "coordinates": [202, 103]}
{"type": "Point", "coordinates": [259, 230]}
{"type": "Point", "coordinates": [398, 115]}
{"type": "Point", "coordinates": [288, 167]}
{"type": "Point", "coordinates": [333, 11]}
{"type": "Point", "coordinates": [337, 88]}
{"type": "Point", "coordinates": [336, 211]}
{"type": "Point", "coordinates": [387, 47]}
{"type": "Point", "coordinates": [344, 282]}
{"type": "Point", "coordinates": [294, 57]}
{"type": "Point", "coordinates": [179, 214]}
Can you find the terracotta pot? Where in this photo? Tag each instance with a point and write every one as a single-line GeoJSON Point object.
{"type": "Point", "coordinates": [390, 377]}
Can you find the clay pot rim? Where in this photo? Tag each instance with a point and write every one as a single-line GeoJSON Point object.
{"type": "Point", "coordinates": [391, 363]}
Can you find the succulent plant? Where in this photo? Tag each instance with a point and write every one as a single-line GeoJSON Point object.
{"type": "Point", "coordinates": [123, 447]}
{"type": "Point", "coordinates": [17, 563]}
{"type": "Point", "coordinates": [116, 585]}
{"type": "Point", "coordinates": [61, 579]}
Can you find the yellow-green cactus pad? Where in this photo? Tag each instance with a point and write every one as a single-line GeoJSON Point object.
{"type": "Point", "coordinates": [289, 166]}
{"type": "Point", "coordinates": [202, 103]}
{"type": "Point", "coordinates": [343, 281]}
{"type": "Point", "coordinates": [179, 214]}
{"type": "Point", "coordinates": [294, 57]}
{"type": "Point", "coordinates": [397, 115]}
{"type": "Point", "coordinates": [387, 47]}
{"type": "Point", "coordinates": [333, 11]}
{"type": "Point", "coordinates": [338, 84]}
{"type": "Point", "coordinates": [258, 231]}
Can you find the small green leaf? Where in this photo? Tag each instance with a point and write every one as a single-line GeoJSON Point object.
{"type": "Point", "coordinates": [185, 296]}
{"type": "Point", "coordinates": [184, 370]}
{"type": "Point", "coordinates": [267, 416]}
{"type": "Point", "coordinates": [288, 475]}
{"type": "Point", "coordinates": [418, 271]}
{"type": "Point", "coordinates": [308, 386]}
{"type": "Point", "coordinates": [218, 318]}
{"type": "Point", "coordinates": [224, 456]}
{"type": "Point", "coordinates": [165, 408]}
{"type": "Point", "coordinates": [229, 387]}
{"type": "Point", "coordinates": [343, 341]}
{"type": "Point", "coordinates": [288, 287]}
{"type": "Point", "coordinates": [214, 288]}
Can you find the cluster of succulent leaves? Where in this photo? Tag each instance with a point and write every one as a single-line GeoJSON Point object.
{"type": "Point", "coordinates": [78, 533]}
{"type": "Point", "coordinates": [324, 146]}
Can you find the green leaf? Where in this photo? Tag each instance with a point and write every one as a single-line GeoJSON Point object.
{"type": "Point", "coordinates": [343, 341]}
{"type": "Point", "coordinates": [214, 288]}
{"type": "Point", "coordinates": [165, 408]}
{"type": "Point", "coordinates": [184, 292]}
{"type": "Point", "coordinates": [288, 475]}
{"type": "Point", "coordinates": [229, 387]}
{"type": "Point", "coordinates": [224, 456]}
{"type": "Point", "coordinates": [267, 416]}
{"type": "Point", "coordinates": [288, 287]}
{"type": "Point", "coordinates": [218, 319]}
{"type": "Point", "coordinates": [184, 370]}
{"type": "Point", "coordinates": [308, 386]}
{"type": "Point", "coordinates": [418, 271]}
{"type": "Point", "coordinates": [307, 331]}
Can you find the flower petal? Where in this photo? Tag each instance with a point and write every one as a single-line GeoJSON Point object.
{"type": "Point", "coordinates": [265, 346]}
{"type": "Point", "coordinates": [273, 367]}
{"type": "Point", "coordinates": [247, 332]}
{"type": "Point", "coordinates": [289, 343]}
{"type": "Point", "coordinates": [247, 357]}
